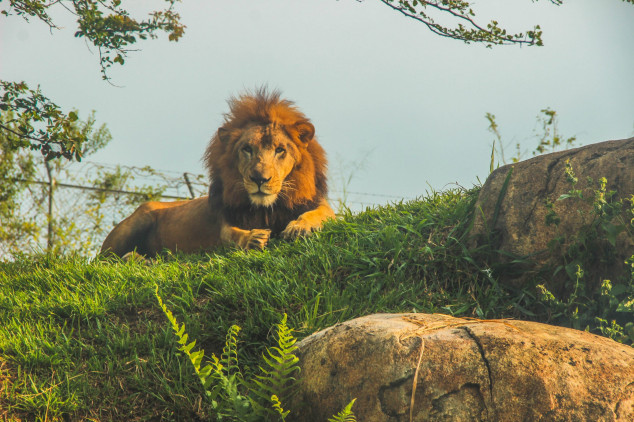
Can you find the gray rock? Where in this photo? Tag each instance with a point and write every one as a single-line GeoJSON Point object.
{"type": "Point", "coordinates": [519, 225]}
{"type": "Point", "coordinates": [455, 369]}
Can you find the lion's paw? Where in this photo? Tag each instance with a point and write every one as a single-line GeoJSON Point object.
{"type": "Point", "coordinates": [297, 228]}
{"type": "Point", "coordinates": [257, 239]}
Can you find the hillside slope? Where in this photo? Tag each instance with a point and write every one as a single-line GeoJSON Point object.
{"type": "Point", "coordinates": [86, 339]}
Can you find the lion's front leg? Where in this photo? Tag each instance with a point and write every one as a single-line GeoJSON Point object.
{"type": "Point", "coordinates": [309, 221]}
{"type": "Point", "coordinates": [246, 239]}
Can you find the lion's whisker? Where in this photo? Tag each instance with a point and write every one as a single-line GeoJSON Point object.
{"type": "Point", "coordinates": [288, 185]}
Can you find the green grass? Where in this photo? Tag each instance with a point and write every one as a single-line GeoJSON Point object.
{"type": "Point", "coordinates": [86, 340]}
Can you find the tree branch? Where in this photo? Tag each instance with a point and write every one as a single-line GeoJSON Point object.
{"type": "Point", "coordinates": [492, 34]}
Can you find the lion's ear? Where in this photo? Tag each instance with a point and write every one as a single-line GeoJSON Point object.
{"type": "Point", "coordinates": [223, 134]}
{"type": "Point", "coordinates": [305, 130]}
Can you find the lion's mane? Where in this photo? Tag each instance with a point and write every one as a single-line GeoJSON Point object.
{"type": "Point", "coordinates": [304, 187]}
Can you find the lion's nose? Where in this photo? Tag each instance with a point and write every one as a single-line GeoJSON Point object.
{"type": "Point", "coordinates": [258, 179]}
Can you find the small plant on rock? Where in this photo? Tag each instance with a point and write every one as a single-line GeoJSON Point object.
{"type": "Point", "coordinates": [609, 307]}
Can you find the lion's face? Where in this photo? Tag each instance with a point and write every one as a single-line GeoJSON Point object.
{"type": "Point", "coordinates": [265, 157]}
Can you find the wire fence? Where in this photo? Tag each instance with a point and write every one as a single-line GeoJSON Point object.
{"type": "Point", "coordinates": [72, 208]}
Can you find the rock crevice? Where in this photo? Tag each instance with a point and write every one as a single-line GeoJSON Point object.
{"type": "Point", "coordinates": [484, 359]}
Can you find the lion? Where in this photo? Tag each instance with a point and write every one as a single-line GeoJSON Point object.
{"type": "Point", "coordinates": [268, 179]}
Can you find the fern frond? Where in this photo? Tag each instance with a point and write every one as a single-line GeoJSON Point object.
{"type": "Point", "coordinates": [195, 357]}
{"type": "Point", "coordinates": [276, 376]}
{"type": "Point", "coordinates": [277, 405]}
{"type": "Point", "coordinates": [229, 356]}
{"type": "Point", "coordinates": [346, 415]}
{"type": "Point", "coordinates": [281, 362]}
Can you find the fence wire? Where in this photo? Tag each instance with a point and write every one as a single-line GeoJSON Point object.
{"type": "Point", "coordinates": [72, 207]}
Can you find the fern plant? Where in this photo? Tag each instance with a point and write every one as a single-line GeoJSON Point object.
{"type": "Point", "coordinates": [345, 415]}
{"type": "Point", "coordinates": [231, 396]}
{"type": "Point", "coordinates": [220, 378]}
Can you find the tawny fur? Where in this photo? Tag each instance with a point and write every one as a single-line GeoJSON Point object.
{"type": "Point", "coordinates": [268, 178]}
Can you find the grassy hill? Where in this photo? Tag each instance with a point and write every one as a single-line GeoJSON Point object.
{"type": "Point", "coordinates": [86, 340]}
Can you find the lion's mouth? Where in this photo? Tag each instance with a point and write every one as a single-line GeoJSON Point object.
{"type": "Point", "coordinates": [262, 198]}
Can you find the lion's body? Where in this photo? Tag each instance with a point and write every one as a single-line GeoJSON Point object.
{"type": "Point", "coordinates": [268, 179]}
{"type": "Point", "coordinates": [187, 226]}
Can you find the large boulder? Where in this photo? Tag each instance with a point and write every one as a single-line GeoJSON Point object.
{"type": "Point", "coordinates": [436, 367]}
{"type": "Point", "coordinates": [510, 215]}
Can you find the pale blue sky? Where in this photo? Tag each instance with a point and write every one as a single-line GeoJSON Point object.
{"type": "Point", "coordinates": [375, 84]}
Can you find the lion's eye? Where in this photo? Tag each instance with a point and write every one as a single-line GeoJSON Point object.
{"type": "Point", "coordinates": [279, 150]}
{"type": "Point", "coordinates": [247, 149]}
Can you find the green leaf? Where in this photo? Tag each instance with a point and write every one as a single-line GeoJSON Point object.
{"type": "Point", "coordinates": [612, 231]}
{"type": "Point", "coordinates": [346, 415]}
